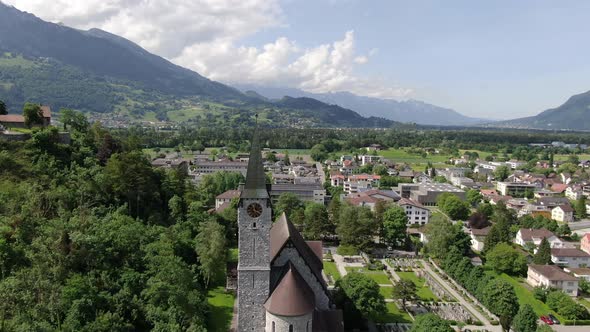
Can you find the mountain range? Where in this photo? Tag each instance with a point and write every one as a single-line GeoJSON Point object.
{"type": "Point", "coordinates": [413, 111]}
{"type": "Point", "coordinates": [574, 114]}
{"type": "Point", "coordinates": [110, 77]}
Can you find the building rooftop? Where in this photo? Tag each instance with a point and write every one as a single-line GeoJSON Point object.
{"type": "Point", "coordinates": [292, 297]}
{"type": "Point", "coordinates": [440, 187]}
{"type": "Point", "coordinates": [528, 234]}
{"type": "Point", "coordinates": [568, 252]}
{"type": "Point", "coordinates": [552, 272]}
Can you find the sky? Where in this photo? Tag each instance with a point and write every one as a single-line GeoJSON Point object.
{"type": "Point", "coordinates": [496, 59]}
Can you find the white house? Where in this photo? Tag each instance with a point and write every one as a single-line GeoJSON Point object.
{"type": "Point", "coordinates": [532, 237]}
{"type": "Point", "coordinates": [574, 193]}
{"type": "Point", "coordinates": [417, 214]}
{"type": "Point", "coordinates": [478, 237]}
{"type": "Point", "coordinates": [563, 213]}
{"type": "Point", "coordinates": [570, 257]}
{"type": "Point", "coordinates": [226, 198]}
{"type": "Point", "coordinates": [369, 159]}
{"type": "Point", "coordinates": [552, 276]}
{"type": "Point", "coordinates": [579, 272]}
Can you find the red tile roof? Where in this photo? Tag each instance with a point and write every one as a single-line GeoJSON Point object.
{"type": "Point", "coordinates": [559, 187]}
{"type": "Point", "coordinates": [12, 118]}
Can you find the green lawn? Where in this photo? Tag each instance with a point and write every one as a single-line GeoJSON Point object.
{"type": "Point", "coordinates": [386, 292]}
{"type": "Point", "coordinates": [221, 309]}
{"type": "Point", "coordinates": [402, 155]}
{"type": "Point", "coordinates": [525, 296]}
{"type": "Point", "coordinates": [423, 291]}
{"type": "Point", "coordinates": [394, 315]}
{"type": "Point", "coordinates": [379, 276]}
{"type": "Point", "coordinates": [331, 270]}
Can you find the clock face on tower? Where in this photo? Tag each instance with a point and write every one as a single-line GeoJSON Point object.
{"type": "Point", "coordinates": [254, 210]}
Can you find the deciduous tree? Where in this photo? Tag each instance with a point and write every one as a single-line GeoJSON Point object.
{"type": "Point", "coordinates": [394, 225]}
{"type": "Point", "coordinates": [501, 299]}
{"type": "Point", "coordinates": [430, 323]}
{"type": "Point", "coordinates": [32, 114]}
{"type": "Point", "coordinates": [525, 320]}
{"type": "Point", "coordinates": [404, 290]}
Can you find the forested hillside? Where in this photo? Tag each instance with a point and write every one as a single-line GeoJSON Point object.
{"type": "Point", "coordinates": [92, 238]}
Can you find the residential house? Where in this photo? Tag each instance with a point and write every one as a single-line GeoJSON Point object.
{"type": "Point", "coordinates": [417, 214]}
{"type": "Point", "coordinates": [570, 257]}
{"type": "Point", "coordinates": [361, 182]}
{"type": "Point", "coordinates": [551, 276]}
{"type": "Point", "coordinates": [478, 237]}
{"type": "Point", "coordinates": [563, 213]}
{"type": "Point", "coordinates": [223, 201]}
{"type": "Point", "coordinates": [574, 192]}
{"type": "Point", "coordinates": [559, 188]}
{"type": "Point", "coordinates": [370, 198]}
{"type": "Point", "coordinates": [531, 238]}
{"type": "Point", "coordinates": [514, 188]}
{"type": "Point", "coordinates": [369, 159]}
{"type": "Point", "coordinates": [374, 147]}
{"type": "Point", "coordinates": [579, 272]}
{"type": "Point", "coordinates": [552, 202]}
{"type": "Point", "coordinates": [585, 243]}
{"type": "Point", "coordinates": [18, 121]}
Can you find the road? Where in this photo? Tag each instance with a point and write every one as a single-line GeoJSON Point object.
{"type": "Point", "coordinates": [584, 223]}
{"type": "Point", "coordinates": [321, 172]}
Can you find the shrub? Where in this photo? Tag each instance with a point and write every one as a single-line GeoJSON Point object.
{"type": "Point", "coordinates": [347, 250]}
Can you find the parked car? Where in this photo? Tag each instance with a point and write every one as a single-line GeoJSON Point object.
{"type": "Point", "coordinates": [553, 319]}
{"type": "Point", "coordinates": [546, 320]}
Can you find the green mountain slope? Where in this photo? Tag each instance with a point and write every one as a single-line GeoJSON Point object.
{"type": "Point", "coordinates": [119, 82]}
{"type": "Point", "coordinates": [574, 114]}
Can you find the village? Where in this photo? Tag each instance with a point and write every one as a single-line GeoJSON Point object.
{"type": "Point", "coordinates": [548, 219]}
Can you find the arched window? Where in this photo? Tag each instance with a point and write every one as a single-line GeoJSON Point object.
{"type": "Point", "coordinates": [290, 327]}
{"type": "Point", "coordinates": [273, 326]}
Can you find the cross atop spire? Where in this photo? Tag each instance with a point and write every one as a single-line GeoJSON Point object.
{"type": "Point", "coordinates": [255, 186]}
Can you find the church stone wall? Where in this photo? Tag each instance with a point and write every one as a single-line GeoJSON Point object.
{"type": "Point", "coordinates": [322, 301]}
{"type": "Point", "coordinates": [282, 323]}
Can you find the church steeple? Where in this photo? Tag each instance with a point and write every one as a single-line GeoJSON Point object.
{"type": "Point", "coordinates": [255, 186]}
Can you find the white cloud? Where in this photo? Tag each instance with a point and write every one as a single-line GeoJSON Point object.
{"type": "Point", "coordinates": [205, 35]}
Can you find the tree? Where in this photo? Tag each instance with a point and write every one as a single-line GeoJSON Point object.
{"type": "Point", "coordinates": [32, 114]}
{"type": "Point", "coordinates": [500, 298]}
{"type": "Point", "coordinates": [543, 254]}
{"type": "Point", "coordinates": [453, 206]}
{"type": "Point", "coordinates": [499, 233]}
{"type": "Point", "coordinates": [580, 207]}
{"type": "Point", "coordinates": [478, 220]}
{"type": "Point", "coordinates": [486, 209]}
{"type": "Point", "coordinates": [394, 225]}
{"type": "Point", "coordinates": [271, 157]}
{"type": "Point", "coordinates": [430, 323]}
{"type": "Point", "coordinates": [3, 109]}
{"type": "Point", "coordinates": [318, 152]}
{"type": "Point", "coordinates": [443, 236]}
{"type": "Point", "coordinates": [357, 292]}
{"type": "Point", "coordinates": [525, 320]}
{"type": "Point", "coordinates": [356, 226]}
{"type": "Point", "coordinates": [501, 173]}
{"type": "Point", "coordinates": [288, 203]}
{"type": "Point", "coordinates": [317, 222]}
{"type": "Point", "coordinates": [210, 247]}
{"type": "Point", "coordinates": [505, 259]}
{"type": "Point", "coordinates": [74, 119]}
{"type": "Point", "coordinates": [404, 290]}
{"type": "Point", "coordinates": [474, 197]}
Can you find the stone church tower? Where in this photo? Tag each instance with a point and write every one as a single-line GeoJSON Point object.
{"type": "Point", "coordinates": [254, 262]}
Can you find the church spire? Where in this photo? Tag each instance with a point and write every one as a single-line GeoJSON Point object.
{"type": "Point", "coordinates": [255, 186]}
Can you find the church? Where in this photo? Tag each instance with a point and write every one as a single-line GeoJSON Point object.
{"type": "Point", "coordinates": [280, 284]}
